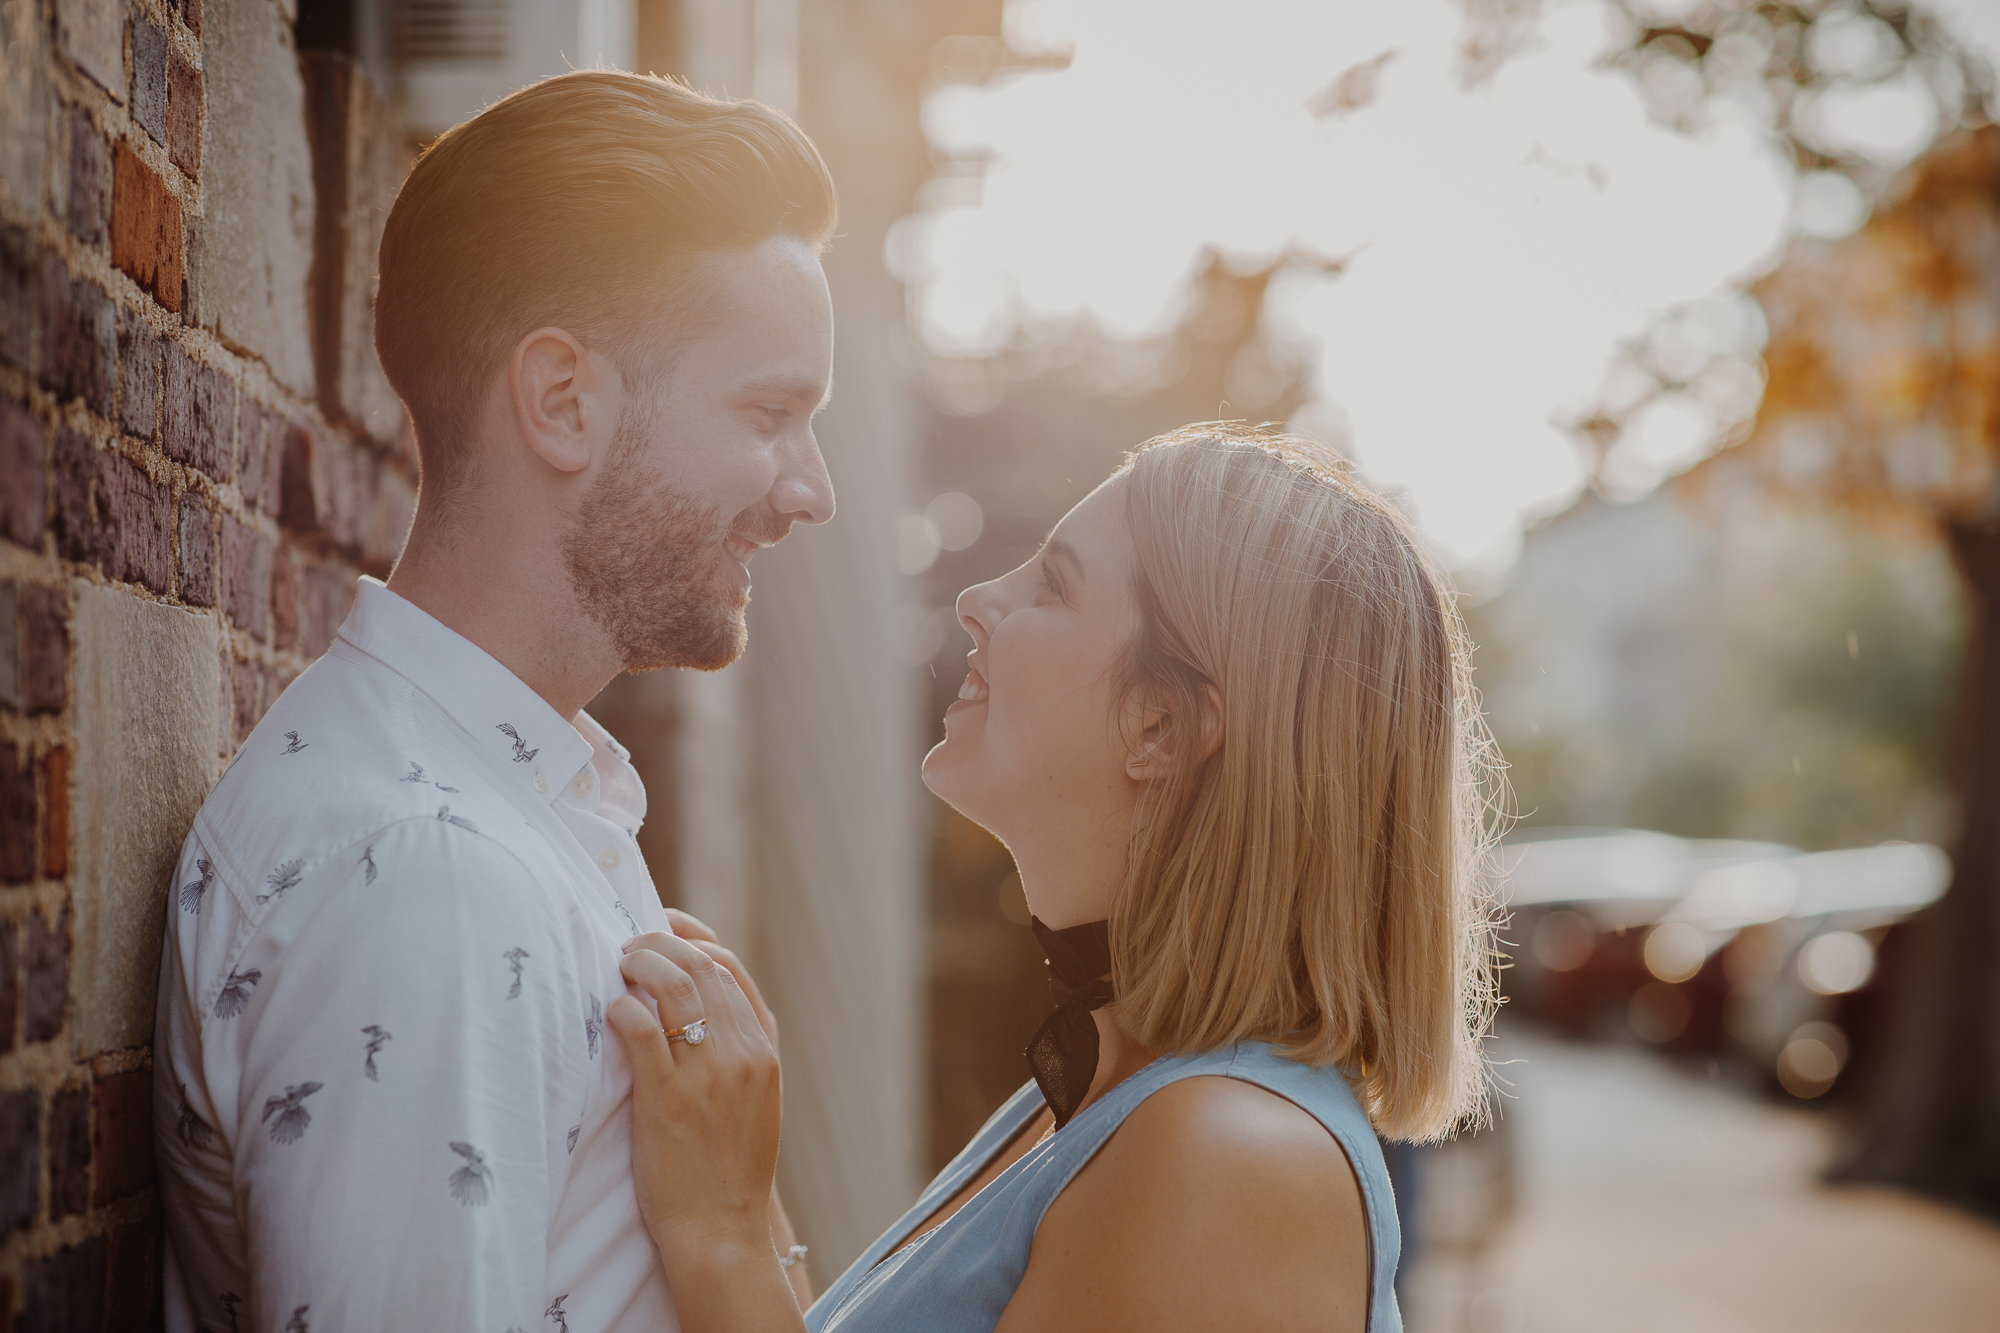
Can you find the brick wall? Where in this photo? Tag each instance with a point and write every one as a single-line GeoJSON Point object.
{"type": "Point", "coordinates": [198, 455]}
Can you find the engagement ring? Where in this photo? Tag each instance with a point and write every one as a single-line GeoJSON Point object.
{"type": "Point", "coordinates": [694, 1034]}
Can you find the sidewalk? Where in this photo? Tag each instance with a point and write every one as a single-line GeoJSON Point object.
{"type": "Point", "coordinates": [1652, 1201]}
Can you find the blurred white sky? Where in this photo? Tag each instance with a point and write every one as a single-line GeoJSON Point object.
{"type": "Point", "coordinates": [1504, 239]}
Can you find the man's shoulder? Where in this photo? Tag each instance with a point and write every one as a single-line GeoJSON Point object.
{"type": "Point", "coordinates": [347, 752]}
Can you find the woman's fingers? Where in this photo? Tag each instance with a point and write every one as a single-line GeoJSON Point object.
{"type": "Point", "coordinates": [646, 1046]}
{"type": "Point", "coordinates": [735, 968]}
{"type": "Point", "coordinates": [690, 927]}
{"type": "Point", "coordinates": [722, 1000]}
{"type": "Point", "coordinates": [673, 990]}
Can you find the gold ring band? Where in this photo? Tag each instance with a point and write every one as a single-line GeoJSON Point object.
{"type": "Point", "coordinates": [694, 1034]}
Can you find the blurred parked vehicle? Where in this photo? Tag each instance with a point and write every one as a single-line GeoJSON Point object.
{"type": "Point", "coordinates": [1747, 952]}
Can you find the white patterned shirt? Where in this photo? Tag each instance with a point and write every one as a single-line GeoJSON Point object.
{"type": "Point", "coordinates": [385, 1096]}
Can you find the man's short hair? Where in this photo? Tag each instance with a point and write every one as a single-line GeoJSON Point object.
{"type": "Point", "coordinates": [578, 202]}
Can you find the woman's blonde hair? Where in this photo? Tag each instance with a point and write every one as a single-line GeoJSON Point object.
{"type": "Point", "coordinates": [1318, 882]}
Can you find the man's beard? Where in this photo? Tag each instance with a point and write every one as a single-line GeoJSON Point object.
{"type": "Point", "coordinates": [644, 557]}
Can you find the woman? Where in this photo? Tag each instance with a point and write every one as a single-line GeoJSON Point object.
{"type": "Point", "coordinates": [1224, 724]}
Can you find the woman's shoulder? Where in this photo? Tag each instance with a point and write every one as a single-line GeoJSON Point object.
{"type": "Point", "coordinates": [1215, 1200]}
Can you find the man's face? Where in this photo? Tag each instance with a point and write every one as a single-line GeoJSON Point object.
{"type": "Point", "coordinates": [714, 457]}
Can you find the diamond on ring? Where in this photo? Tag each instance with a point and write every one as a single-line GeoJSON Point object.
{"type": "Point", "coordinates": [694, 1034]}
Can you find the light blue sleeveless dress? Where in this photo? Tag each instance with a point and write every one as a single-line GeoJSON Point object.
{"type": "Point", "coordinates": [959, 1276]}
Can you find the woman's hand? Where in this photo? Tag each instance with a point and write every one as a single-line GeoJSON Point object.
{"type": "Point", "coordinates": [705, 1121]}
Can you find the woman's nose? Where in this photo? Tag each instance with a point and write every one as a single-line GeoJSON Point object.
{"type": "Point", "coordinates": [979, 612]}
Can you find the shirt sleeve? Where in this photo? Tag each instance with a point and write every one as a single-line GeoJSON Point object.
{"type": "Point", "coordinates": [414, 1063]}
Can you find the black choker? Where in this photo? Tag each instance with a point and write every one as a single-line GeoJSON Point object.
{"type": "Point", "coordinates": [1063, 1054]}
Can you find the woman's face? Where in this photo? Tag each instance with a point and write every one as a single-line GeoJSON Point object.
{"type": "Point", "coordinates": [1034, 749]}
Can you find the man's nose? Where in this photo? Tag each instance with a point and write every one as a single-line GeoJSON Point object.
{"type": "Point", "coordinates": [803, 491]}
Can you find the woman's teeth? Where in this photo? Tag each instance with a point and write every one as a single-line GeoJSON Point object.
{"type": "Point", "coordinates": [974, 689]}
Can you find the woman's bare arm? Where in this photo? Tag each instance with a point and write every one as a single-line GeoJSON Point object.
{"type": "Point", "coordinates": [1216, 1205]}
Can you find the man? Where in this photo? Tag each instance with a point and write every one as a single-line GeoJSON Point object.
{"type": "Point", "coordinates": [385, 1095]}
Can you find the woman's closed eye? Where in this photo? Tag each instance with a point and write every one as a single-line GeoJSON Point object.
{"type": "Point", "coordinates": [1052, 581]}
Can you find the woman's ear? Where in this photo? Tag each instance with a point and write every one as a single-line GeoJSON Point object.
{"type": "Point", "coordinates": [1161, 745]}
{"type": "Point", "coordinates": [559, 393]}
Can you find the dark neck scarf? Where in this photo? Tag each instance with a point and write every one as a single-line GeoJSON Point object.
{"type": "Point", "coordinates": [1063, 1055]}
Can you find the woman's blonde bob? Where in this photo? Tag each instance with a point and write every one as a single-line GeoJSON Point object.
{"type": "Point", "coordinates": [1318, 882]}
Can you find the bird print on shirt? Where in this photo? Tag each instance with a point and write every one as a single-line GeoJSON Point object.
{"type": "Point", "coordinates": [284, 877]}
{"type": "Point", "coordinates": [574, 1130]}
{"type": "Point", "coordinates": [555, 1312]}
{"type": "Point", "coordinates": [230, 1300]}
{"type": "Point", "coordinates": [297, 1323]}
{"type": "Point", "coordinates": [293, 744]}
{"type": "Point", "coordinates": [416, 774]}
{"type": "Point", "coordinates": [593, 1024]}
{"type": "Point", "coordinates": [632, 925]}
{"type": "Point", "coordinates": [192, 890]}
{"type": "Point", "coordinates": [291, 1112]}
{"type": "Point", "coordinates": [522, 754]}
{"type": "Point", "coordinates": [444, 813]}
{"type": "Point", "coordinates": [376, 1037]}
{"type": "Point", "coordinates": [194, 1130]}
{"type": "Point", "coordinates": [514, 957]}
{"type": "Point", "coordinates": [236, 992]}
{"type": "Point", "coordinates": [473, 1182]}
{"type": "Point", "coordinates": [368, 865]}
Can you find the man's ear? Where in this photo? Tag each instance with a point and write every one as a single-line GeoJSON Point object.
{"type": "Point", "coordinates": [561, 395]}
{"type": "Point", "coordinates": [1162, 744]}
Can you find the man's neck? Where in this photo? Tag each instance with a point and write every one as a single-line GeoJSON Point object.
{"type": "Point", "coordinates": [511, 597]}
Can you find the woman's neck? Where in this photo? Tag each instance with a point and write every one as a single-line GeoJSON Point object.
{"type": "Point", "coordinates": [1118, 1056]}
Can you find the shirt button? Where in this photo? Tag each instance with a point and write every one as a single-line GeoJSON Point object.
{"type": "Point", "coordinates": [582, 784]}
{"type": "Point", "coordinates": [541, 783]}
{"type": "Point", "coordinates": [608, 858]}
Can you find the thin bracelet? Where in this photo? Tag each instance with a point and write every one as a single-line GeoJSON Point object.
{"type": "Point", "coordinates": [796, 1253]}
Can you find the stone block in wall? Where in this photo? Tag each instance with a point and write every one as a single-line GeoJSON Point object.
{"type": "Point", "coordinates": [199, 417]}
{"type": "Point", "coordinates": [20, 1158]}
{"type": "Point", "coordinates": [149, 78]}
{"type": "Point", "coordinates": [197, 577]}
{"type": "Point", "coordinates": [44, 650]}
{"type": "Point", "coordinates": [246, 577]}
{"type": "Point", "coordinates": [17, 816]}
{"type": "Point", "coordinates": [10, 1023]}
{"type": "Point", "coordinates": [17, 305]}
{"type": "Point", "coordinates": [88, 180]}
{"type": "Point", "coordinates": [23, 453]}
{"type": "Point", "coordinates": [138, 376]}
{"type": "Point", "coordinates": [23, 103]}
{"type": "Point", "coordinates": [55, 813]}
{"type": "Point", "coordinates": [64, 1290]}
{"type": "Point", "coordinates": [69, 1153]}
{"type": "Point", "coordinates": [144, 723]}
{"type": "Point", "coordinates": [121, 1135]}
{"type": "Point", "coordinates": [184, 115]}
{"type": "Point", "coordinates": [260, 442]}
{"type": "Point", "coordinates": [145, 227]}
{"type": "Point", "coordinates": [79, 337]}
{"type": "Point", "coordinates": [258, 251]}
{"type": "Point", "coordinates": [111, 514]}
{"type": "Point", "coordinates": [359, 161]}
{"type": "Point", "coordinates": [45, 992]}
{"type": "Point", "coordinates": [323, 607]}
{"type": "Point", "coordinates": [284, 600]}
{"type": "Point", "coordinates": [92, 35]}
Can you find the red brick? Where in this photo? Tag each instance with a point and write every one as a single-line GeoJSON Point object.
{"type": "Point", "coordinates": [111, 514]}
{"type": "Point", "coordinates": [17, 306]}
{"type": "Point", "coordinates": [45, 998]}
{"type": "Point", "coordinates": [17, 817]}
{"type": "Point", "coordinates": [23, 455]}
{"type": "Point", "coordinates": [184, 115]}
{"type": "Point", "coordinates": [145, 227]}
{"type": "Point", "coordinates": [121, 1135]}
{"type": "Point", "coordinates": [20, 1158]}
{"type": "Point", "coordinates": [65, 1291]}
{"type": "Point", "coordinates": [197, 583]}
{"type": "Point", "coordinates": [284, 601]}
{"type": "Point", "coordinates": [200, 414]}
{"type": "Point", "coordinates": [44, 658]}
{"type": "Point", "coordinates": [138, 376]}
{"type": "Point", "coordinates": [55, 813]}
{"type": "Point", "coordinates": [246, 697]}
{"type": "Point", "coordinates": [327, 598]}
{"type": "Point", "coordinates": [135, 1277]}
{"type": "Point", "coordinates": [254, 429]}
{"type": "Point", "coordinates": [89, 178]}
{"type": "Point", "coordinates": [246, 577]}
{"type": "Point", "coordinates": [190, 14]}
{"type": "Point", "coordinates": [10, 1022]}
{"type": "Point", "coordinates": [69, 1152]}
{"type": "Point", "coordinates": [79, 337]}
{"type": "Point", "coordinates": [299, 507]}
{"type": "Point", "coordinates": [149, 78]}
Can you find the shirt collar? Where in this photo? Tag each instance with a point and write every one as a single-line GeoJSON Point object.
{"type": "Point", "coordinates": [526, 737]}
